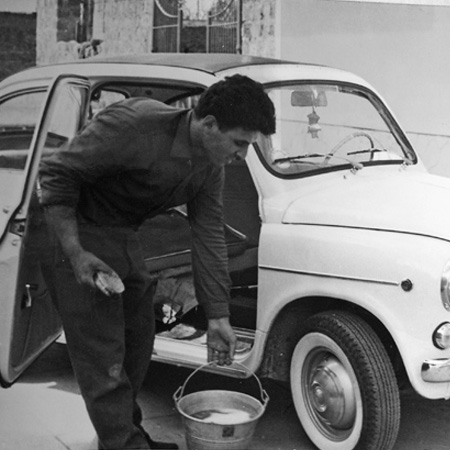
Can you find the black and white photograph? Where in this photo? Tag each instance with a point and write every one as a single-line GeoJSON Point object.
{"type": "Point", "coordinates": [224, 224]}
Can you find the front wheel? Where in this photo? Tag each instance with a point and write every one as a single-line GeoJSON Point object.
{"type": "Point", "coordinates": [343, 385]}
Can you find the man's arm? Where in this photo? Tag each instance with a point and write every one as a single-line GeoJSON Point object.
{"type": "Point", "coordinates": [93, 153]}
{"type": "Point", "coordinates": [210, 267]}
{"type": "Point", "coordinates": [86, 266]}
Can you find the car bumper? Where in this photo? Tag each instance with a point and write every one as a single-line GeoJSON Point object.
{"type": "Point", "coordinates": [436, 370]}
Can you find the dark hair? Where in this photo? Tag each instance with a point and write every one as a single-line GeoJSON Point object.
{"type": "Point", "coordinates": [238, 101]}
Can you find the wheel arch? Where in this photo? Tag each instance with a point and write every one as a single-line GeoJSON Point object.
{"type": "Point", "coordinates": [285, 332]}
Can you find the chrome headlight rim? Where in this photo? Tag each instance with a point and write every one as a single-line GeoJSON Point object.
{"type": "Point", "coordinates": [445, 286]}
{"type": "Point", "coordinates": [441, 336]}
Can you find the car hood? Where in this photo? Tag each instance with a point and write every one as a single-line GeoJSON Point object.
{"type": "Point", "coordinates": [417, 203]}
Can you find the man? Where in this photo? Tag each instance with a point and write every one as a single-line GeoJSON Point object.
{"type": "Point", "coordinates": [134, 160]}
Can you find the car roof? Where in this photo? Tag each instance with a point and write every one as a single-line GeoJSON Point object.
{"type": "Point", "coordinates": [207, 62]}
{"type": "Point", "coordinates": [200, 68]}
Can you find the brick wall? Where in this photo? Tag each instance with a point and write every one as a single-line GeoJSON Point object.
{"type": "Point", "coordinates": [17, 42]}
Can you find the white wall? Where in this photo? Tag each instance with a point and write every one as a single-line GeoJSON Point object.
{"type": "Point", "coordinates": [18, 6]}
{"type": "Point", "coordinates": [403, 50]}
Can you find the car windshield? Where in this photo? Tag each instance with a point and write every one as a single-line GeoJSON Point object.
{"type": "Point", "coordinates": [322, 127]}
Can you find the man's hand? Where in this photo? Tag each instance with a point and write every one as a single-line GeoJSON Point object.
{"type": "Point", "coordinates": [221, 341]}
{"type": "Point", "coordinates": [93, 272]}
{"type": "Point", "coordinates": [88, 269]}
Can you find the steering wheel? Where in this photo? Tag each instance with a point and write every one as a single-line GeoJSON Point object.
{"type": "Point", "coordinates": [345, 140]}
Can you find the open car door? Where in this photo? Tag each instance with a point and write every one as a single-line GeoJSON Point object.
{"type": "Point", "coordinates": [28, 321]}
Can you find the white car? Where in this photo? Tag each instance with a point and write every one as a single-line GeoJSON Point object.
{"type": "Point", "coordinates": [339, 239]}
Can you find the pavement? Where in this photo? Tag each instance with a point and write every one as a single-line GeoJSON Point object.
{"type": "Point", "coordinates": [43, 410]}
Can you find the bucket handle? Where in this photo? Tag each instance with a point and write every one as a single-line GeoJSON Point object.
{"type": "Point", "coordinates": [180, 391]}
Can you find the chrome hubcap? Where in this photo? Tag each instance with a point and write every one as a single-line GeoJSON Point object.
{"type": "Point", "coordinates": [329, 392]}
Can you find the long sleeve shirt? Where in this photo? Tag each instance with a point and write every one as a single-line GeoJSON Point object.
{"type": "Point", "coordinates": [125, 166]}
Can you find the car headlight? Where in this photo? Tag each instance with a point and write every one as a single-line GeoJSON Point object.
{"type": "Point", "coordinates": [441, 336]}
{"type": "Point", "coordinates": [445, 287]}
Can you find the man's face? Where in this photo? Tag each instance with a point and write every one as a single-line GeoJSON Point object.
{"type": "Point", "coordinates": [224, 146]}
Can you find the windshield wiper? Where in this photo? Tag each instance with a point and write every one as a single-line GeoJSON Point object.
{"type": "Point", "coordinates": [367, 150]}
{"type": "Point", "coordinates": [295, 158]}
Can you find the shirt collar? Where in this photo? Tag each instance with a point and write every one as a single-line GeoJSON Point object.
{"type": "Point", "coordinates": [182, 145]}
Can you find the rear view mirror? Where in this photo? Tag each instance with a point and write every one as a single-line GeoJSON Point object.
{"type": "Point", "coordinates": [312, 98]}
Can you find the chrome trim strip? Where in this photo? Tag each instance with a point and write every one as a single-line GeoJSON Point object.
{"type": "Point", "coordinates": [329, 275]}
{"type": "Point", "coordinates": [436, 370]}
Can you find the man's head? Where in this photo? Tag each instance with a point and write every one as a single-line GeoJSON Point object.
{"type": "Point", "coordinates": [230, 114]}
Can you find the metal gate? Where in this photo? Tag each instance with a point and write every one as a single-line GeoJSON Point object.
{"type": "Point", "coordinates": [223, 26]}
{"type": "Point", "coordinates": [223, 34]}
{"type": "Point", "coordinates": [167, 24]}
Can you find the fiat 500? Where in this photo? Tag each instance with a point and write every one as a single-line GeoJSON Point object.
{"type": "Point", "coordinates": [338, 239]}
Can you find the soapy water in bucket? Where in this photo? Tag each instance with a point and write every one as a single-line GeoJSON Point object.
{"type": "Point", "coordinates": [217, 419]}
{"type": "Point", "coordinates": [223, 416]}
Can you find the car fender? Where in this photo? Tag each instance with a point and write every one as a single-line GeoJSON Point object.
{"type": "Point", "coordinates": [402, 291]}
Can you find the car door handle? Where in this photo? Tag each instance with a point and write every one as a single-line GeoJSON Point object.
{"type": "Point", "coordinates": [28, 298]}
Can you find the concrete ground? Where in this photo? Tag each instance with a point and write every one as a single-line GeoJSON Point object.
{"type": "Point", "coordinates": [43, 410]}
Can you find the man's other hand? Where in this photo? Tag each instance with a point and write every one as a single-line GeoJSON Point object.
{"type": "Point", "coordinates": [221, 341]}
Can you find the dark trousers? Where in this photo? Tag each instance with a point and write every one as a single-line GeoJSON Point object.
{"type": "Point", "coordinates": [109, 339]}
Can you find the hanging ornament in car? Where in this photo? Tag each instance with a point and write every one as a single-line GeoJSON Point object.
{"type": "Point", "coordinates": [314, 127]}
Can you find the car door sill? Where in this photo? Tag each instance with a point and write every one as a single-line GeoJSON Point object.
{"type": "Point", "coordinates": [193, 353]}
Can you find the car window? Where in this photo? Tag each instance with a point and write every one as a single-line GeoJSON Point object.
{"type": "Point", "coordinates": [18, 119]}
{"type": "Point", "coordinates": [177, 95]}
{"type": "Point", "coordinates": [19, 116]}
{"type": "Point", "coordinates": [66, 117]}
{"type": "Point", "coordinates": [324, 126]}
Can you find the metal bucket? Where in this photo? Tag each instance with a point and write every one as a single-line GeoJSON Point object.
{"type": "Point", "coordinates": [201, 435]}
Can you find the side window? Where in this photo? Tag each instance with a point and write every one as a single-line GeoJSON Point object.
{"type": "Point", "coordinates": [18, 119]}
{"type": "Point", "coordinates": [66, 118]}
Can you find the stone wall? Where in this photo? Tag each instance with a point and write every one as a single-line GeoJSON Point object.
{"type": "Point", "coordinates": [17, 42]}
{"type": "Point", "coordinates": [57, 28]}
{"type": "Point", "coordinates": [46, 30]}
{"type": "Point", "coordinates": [259, 27]}
{"type": "Point", "coordinates": [124, 26]}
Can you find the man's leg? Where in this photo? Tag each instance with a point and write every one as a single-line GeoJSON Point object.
{"type": "Point", "coordinates": [95, 332]}
{"type": "Point", "coordinates": [139, 323]}
{"type": "Point", "coordinates": [139, 330]}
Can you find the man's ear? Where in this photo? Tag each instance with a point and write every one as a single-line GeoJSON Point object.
{"type": "Point", "coordinates": [210, 122]}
